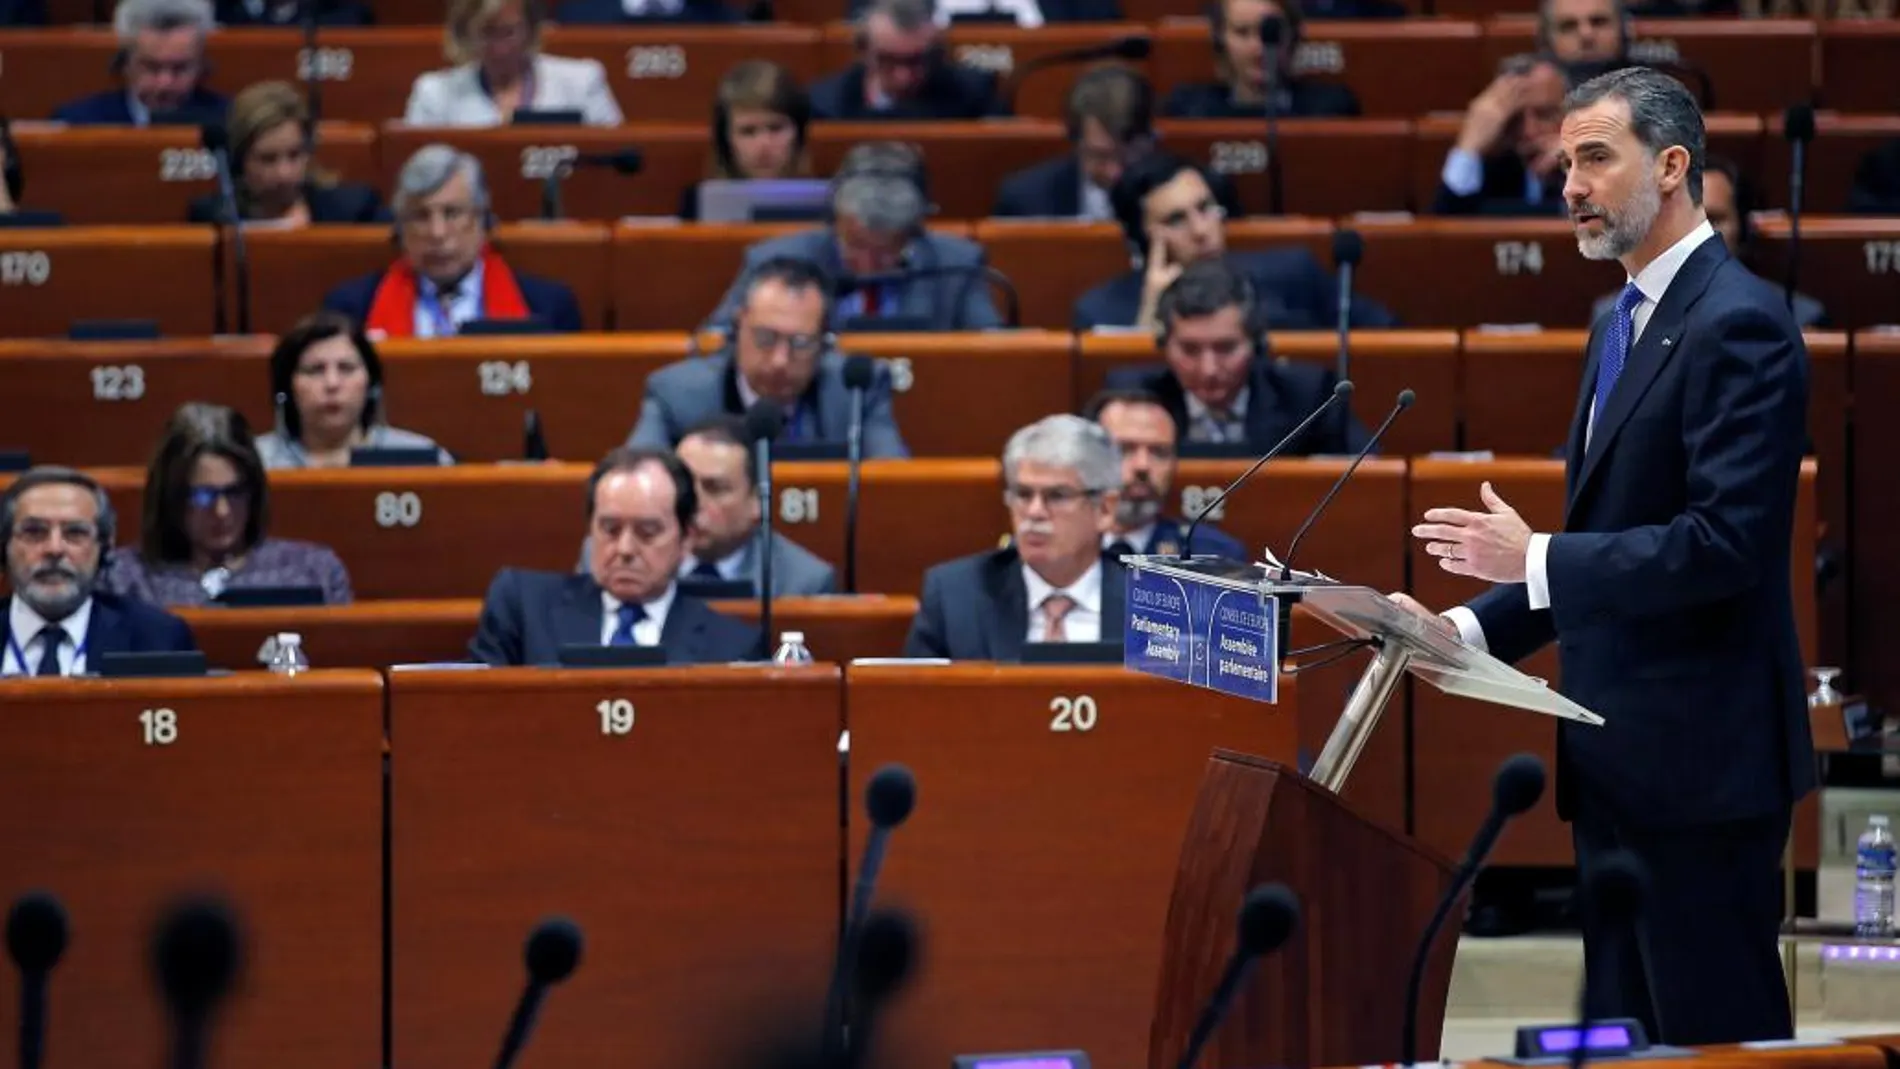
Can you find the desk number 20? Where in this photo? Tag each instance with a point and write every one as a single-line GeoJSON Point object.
{"type": "Point", "coordinates": [1072, 714]}
{"type": "Point", "coordinates": [161, 726]}
{"type": "Point", "coordinates": [616, 716]}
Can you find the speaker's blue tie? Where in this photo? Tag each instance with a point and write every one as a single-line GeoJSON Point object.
{"type": "Point", "coordinates": [623, 631]}
{"type": "Point", "coordinates": [1617, 335]}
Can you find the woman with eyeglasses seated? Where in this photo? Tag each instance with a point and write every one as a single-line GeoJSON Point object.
{"type": "Point", "coordinates": [206, 508]}
{"type": "Point", "coordinates": [271, 170]}
{"type": "Point", "coordinates": [760, 119]}
{"type": "Point", "coordinates": [327, 383]}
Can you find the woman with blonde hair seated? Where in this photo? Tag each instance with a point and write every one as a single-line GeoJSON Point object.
{"type": "Point", "coordinates": [272, 172]}
{"type": "Point", "coordinates": [501, 71]}
{"type": "Point", "coordinates": [760, 120]}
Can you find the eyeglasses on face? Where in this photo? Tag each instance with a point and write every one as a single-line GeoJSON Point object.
{"type": "Point", "coordinates": [1055, 498]}
{"type": "Point", "coordinates": [206, 498]}
{"type": "Point", "coordinates": [39, 532]}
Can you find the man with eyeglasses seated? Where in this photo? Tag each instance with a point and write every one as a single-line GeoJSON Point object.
{"type": "Point", "coordinates": [778, 351]}
{"type": "Point", "coordinates": [448, 274]}
{"type": "Point", "coordinates": [1172, 217]}
{"type": "Point", "coordinates": [1062, 479]}
{"type": "Point", "coordinates": [58, 524]}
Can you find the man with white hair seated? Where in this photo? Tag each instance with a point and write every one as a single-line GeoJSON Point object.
{"type": "Point", "coordinates": [879, 204]}
{"type": "Point", "coordinates": [161, 63]}
{"type": "Point", "coordinates": [448, 275]}
{"type": "Point", "coordinates": [1061, 481]}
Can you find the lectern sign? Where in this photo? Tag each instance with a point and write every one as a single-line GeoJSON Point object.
{"type": "Point", "coordinates": [1213, 636]}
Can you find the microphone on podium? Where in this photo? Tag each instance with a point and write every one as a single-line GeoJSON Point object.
{"type": "Point", "coordinates": [885, 958]}
{"type": "Point", "coordinates": [196, 956]}
{"type": "Point", "coordinates": [1342, 389]}
{"type": "Point", "coordinates": [1613, 894]}
{"type": "Point", "coordinates": [1404, 401]}
{"type": "Point", "coordinates": [552, 953]}
{"type": "Point", "coordinates": [36, 938]}
{"type": "Point", "coordinates": [1268, 919]}
{"type": "Point", "coordinates": [1515, 788]}
{"type": "Point", "coordinates": [888, 801]}
{"type": "Point", "coordinates": [859, 373]}
{"type": "Point", "coordinates": [764, 422]}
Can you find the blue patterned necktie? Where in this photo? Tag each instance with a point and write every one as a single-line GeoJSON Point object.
{"type": "Point", "coordinates": [1617, 336]}
{"type": "Point", "coordinates": [623, 632]}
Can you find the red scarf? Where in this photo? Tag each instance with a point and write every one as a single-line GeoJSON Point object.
{"type": "Point", "coordinates": [392, 311]}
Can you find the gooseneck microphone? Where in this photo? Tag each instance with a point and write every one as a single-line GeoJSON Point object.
{"type": "Point", "coordinates": [1405, 399]}
{"type": "Point", "coordinates": [1348, 249]}
{"type": "Point", "coordinates": [1341, 389]}
{"type": "Point", "coordinates": [764, 421]}
{"type": "Point", "coordinates": [626, 161]}
{"type": "Point", "coordinates": [888, 800]}
{"type": "Point", "coordinates": [1134, 48]}
{"type": "Point", "coordinates": [36, 937]}
{"type": "Point", "coordinates": [1797, 125]}
{"type": "Point", "coordinates": [312, 71]}
{"type": "Point", "coordinates": [534, 437]}
{"type": "Point", "coordinates": [196, 956]}
{"type": "Point", "coordinates": [217, 141]}
{"type": "Point", "coordinates": [1614, 891]}
{"type": "Point", "coordinates": [552, 952]}
{"type": "Point", "coordinates": [859, 372]}
{"type": "Point", "coordinates": [1515, 788]}
{"type": "Point", "coordinates": [885, 959]}
{"type": "Point", "coordinates": [1272, 30]}
{"type": "Point", "coordinates": [846, 285]}
{"type": "Point", "coordinates": [1268, 918]}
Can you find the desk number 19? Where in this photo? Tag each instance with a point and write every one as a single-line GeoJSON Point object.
{"type": "Point", "coordinates": [161, 726]}
{"type": "Point", "coordinates": [616, 716]}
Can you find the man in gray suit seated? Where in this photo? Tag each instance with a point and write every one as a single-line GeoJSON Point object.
{"type": "Point", "coordinates": [726, 550]}
{"type": "Point", "coordinates": [1062, 481]}
{"type": "Point", "coordinates": [879, 201]}
{"type": "Point", "coordinates": [778, 351]}
{"type": "Point", "coordinates": [640, 510]}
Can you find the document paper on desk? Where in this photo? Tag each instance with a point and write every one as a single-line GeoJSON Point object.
{"type": "Point", "coordinates": [1221, 637]}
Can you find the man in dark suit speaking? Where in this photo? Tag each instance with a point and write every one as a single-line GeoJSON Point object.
{"type": "Point", "coordinates": [58, 526]}
{"type": "Point", "coordinates": [640, 509]}
{"type": "Point", "coordinates": [1667, 590]}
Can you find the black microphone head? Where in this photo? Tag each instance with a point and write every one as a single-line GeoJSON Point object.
{"type": "Point", "coordinates": [626, 161]}
{"type": "Point", "coordinates": [1797, 123]}
{"type": "Point", "coordinates": [858, 372]}
{"type": "Point", "coordinates": [553, 950]}
{"type": "Point", "coordinates": [196, 956]}
{"type": "Point", "coordinates": [36, 932]}
{"type": "Point", "coordinates": [763, 421]}
{"type": "Point", "coordinates": [890, 796]}
{"type": "Point", "coordinates": [1342, 388]}
{"type": "Point", "coordinates": [1518, 784]}
{"type": "Point", "coordinates": [1267, 919]}
{"type": "Point", "coordinates": [1272, 30]}
{"type": "Point", "coordinates": [886, 954]}
{"type": "Point", "coordinates": [1406, 397]}
{"type": "Point", "coordinates": [1615, 887]}
{"type": "Point", "coordinates": [1135, 46]}
{"type": "Point", "coordinates": [1348, 247]}
{"type": "Point", "coordinates": [214, 137]}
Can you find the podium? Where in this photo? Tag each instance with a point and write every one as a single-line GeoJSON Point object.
{"type": "Point", "coordinates": [1335, 993]}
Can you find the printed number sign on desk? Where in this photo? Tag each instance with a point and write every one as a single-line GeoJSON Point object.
{"type": "Point", "coordinates": [1206, 634]}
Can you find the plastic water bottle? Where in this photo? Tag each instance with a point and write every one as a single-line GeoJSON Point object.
{"type": "Point", "coordinates": [1873, 879]}
{"type": "Point", "coordinates": [285, 654]}
{"type": "Point", "coordinates": [791, 649]}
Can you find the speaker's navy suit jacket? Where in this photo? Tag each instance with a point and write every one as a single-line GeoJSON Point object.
{"type": "Point", "coordinates": [1670, 596]}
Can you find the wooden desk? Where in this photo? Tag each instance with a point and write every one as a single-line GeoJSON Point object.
{"type": "Point", "coordinates": [966, 161]}
{"type": "Point", "coordinates": [1054, 263]}
{"type": "Point", "coordinates": [122, 796]}
{"type": "Point", "coordinates": [517, 159]}
{"type": "Point", "coordinates": [1043, 879]}
{"type": "Point", "coordinates": [1520, 390]}
{"type": "Point", "coordinates": [1331, 167]}
{"type": "Point", "coordinates": [1875, 564]}
{"type": "Point", "coordinates": [50, 278]}
{"type": "Point", "coordinates": [1457, 743]}
{"type": "Point", "coordinates": [1858, 57]}
{"type": "Point", "coordinates": [1855, 261]}
{"type": "Point", "coordinates": [1470, 272]}
{"type": "Point", "coordinates": [1833, 162]}
{"type": "Point", "coordinates": [964, 394]}
{"type": "Point", "coordinates": [91, 404]}
{"type": "Point", "coordinates": [377, 634]}
{"type": "Point", "coordinates": [671, 73]}
{"type": "Point", "coordinates": [105, 175]}
{"type": "Point", "coordinates": [1397, 69]}
{"type": "Point", "coordinates": [698, 851]}
{"type": "Point", "coordinates": [1759, 65]}
{"type": "Point", "coordinates": [1383, 363]}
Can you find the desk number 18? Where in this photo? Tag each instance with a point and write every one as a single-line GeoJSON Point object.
{"type": "Point", "coordinates": [161, 726]}
{"type": "Point", "coordinates": [616, 716]}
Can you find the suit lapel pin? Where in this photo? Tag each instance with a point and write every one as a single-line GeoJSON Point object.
{"type": "Point", "coordinates": [1667, 342]}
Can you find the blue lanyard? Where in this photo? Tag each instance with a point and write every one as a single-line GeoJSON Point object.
{"type": "Point", "coordinates": [19, 655]}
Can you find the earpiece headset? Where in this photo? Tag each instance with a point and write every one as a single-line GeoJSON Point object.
{"type": "Point", "coordinates": [1625, 21]}
{"type": "Point", "coordinates": [283, 369]}
{"type": "Point", "coordinates": [1253, 317]}
{"type": "Point", "coordinates": [14, 173]}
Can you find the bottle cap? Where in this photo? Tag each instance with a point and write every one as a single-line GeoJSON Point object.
{"type": "Point", "coordinates": [289, 638]}
{"type": "Point", "coordinates": [1878, 819]}
{"type": "Point", "coordinates": [797, 637]}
